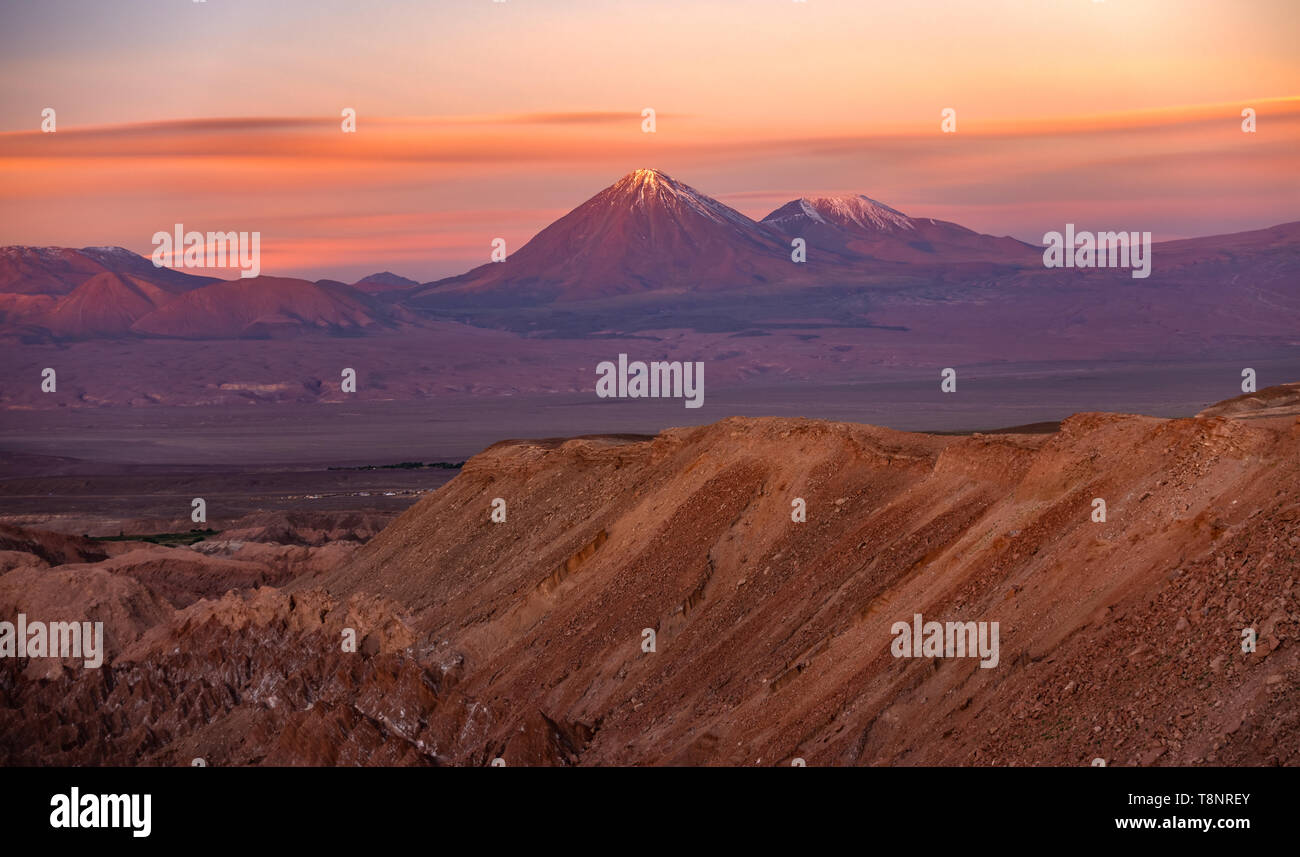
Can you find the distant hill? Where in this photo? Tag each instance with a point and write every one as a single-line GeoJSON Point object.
{"type": "Point", "coordinates": [107, 304]}
{"type": "Point", "coordinates": [385, 281]}
{"type": "Point", "coordinates": [59, 270]}
{"type": "Point", "coordinates": [261, 307]}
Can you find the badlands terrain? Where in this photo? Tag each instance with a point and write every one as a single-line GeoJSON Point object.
{"type": "Point", "coordinates": [523, 639]}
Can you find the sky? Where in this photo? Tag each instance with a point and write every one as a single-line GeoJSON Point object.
{"type": "Point", "coordinates": [478, 119]}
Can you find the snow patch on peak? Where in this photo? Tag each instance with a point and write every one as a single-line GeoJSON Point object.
{"type": "Point", "coordinates": [858, 210]}
{"type": "Point", "coordinates": [32, 250]}
{"type": "Point", "coordinates": [110, 252]}
{"type": "Point", "coordinates": [811, 210]}
{"type": "Point", "coordinates": [650, 187]}
{"type": "Point", "coordinates": [646, 177]}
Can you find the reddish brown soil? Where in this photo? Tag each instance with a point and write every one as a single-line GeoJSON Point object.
{"type": "Point", "coordinates": [1280, 401]}
{"type": "Point", "coordinates": [522, 640]}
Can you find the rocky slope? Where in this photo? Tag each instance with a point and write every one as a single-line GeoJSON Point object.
{"type": "Point", "coordinates": [523, 639]}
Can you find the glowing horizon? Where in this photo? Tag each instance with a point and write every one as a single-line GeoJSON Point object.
{"type": "Point", "coordinates": [493, 119]}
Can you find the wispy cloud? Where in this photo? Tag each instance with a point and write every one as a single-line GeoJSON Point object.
{"type": "Point", "coordinates": [435, 190]}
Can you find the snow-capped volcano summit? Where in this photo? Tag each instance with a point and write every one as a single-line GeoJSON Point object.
{"type": "Point", "coordinates": [648, 232]}
{"type": "Point", "coordinates": [652, 189]}
{"type": "Point", "coordinates": [645, 232]}
{"type": "Point", "coordinates": [846, 212]}
{"type": "Point", "coordinates": [857, 225]}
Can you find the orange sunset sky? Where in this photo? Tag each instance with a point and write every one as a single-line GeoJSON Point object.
{"type": "Point", "coordinates": [479, 119]}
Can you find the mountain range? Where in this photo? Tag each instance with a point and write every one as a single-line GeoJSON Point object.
{"type": "Point", "coordinates": [648, 233]}
{"type": "Point", "coordinates": [108, 293]}
{"type": "Point", "coordinates": [650, 255]}
{"type": "Point", "coordinates": [645, 235]}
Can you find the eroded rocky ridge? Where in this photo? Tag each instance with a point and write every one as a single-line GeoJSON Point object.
{"type": "Point", "coordinates": [523, 639]}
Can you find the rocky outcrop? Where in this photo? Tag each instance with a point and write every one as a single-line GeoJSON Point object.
{"type": "Point", "coordinates": [653, 601]}
{"type": "Point", "coordinates": [1120, 639]}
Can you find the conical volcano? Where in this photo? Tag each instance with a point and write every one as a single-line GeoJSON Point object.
{"type": "Point", "coordinates": [646, 232]}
